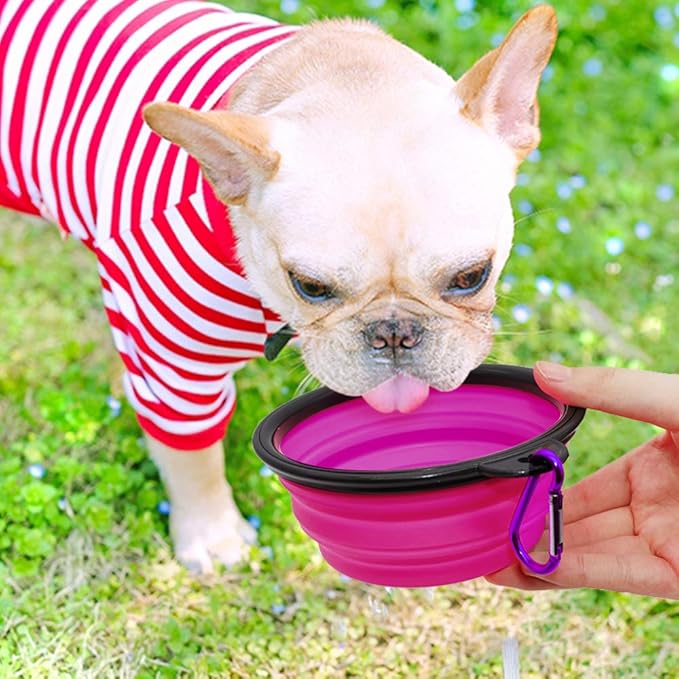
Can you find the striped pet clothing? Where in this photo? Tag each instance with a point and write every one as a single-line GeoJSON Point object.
{"type": "Point", "coordinates": [75, 150]}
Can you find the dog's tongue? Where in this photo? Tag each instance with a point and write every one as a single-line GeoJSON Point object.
{"type": "Point", "coordinates": [401, 392]}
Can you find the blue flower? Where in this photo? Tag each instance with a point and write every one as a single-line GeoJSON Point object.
{"type": "Point", "coordinates": [544, 284]}
{"type": "Point", "coordinates": [563, 224]}
{"type": "Point", "coordinates": [577, 181]}
{"type": "Point", "coordinates": [465, 5]}
{"type": "Point", "coordinates": [643, 230]}
{"type": "Point", "coordinates": [496, 39]}
{"type": "Point", "coordinates": [289, 6]}
{"type": "Point", "coordinates": [669, 72]}
{"type": "Point", "coordinates": [278, 609]}
{"type": "Point", "coordinates": [534, 156]}
{"type": "Point", "coordinates": [254, 521]}
{"type": "Point", "coordinates": [522, 313]}
{"type": "Point", "coordinates": [615, 246]}
{"type": "Point", "coordinates": [564, 290]}
{"type": "Point", "coordinates": [522, 179]}
{"type": "Point", "coordinates": [564, 190]}
{"type": "Point", "coordinates": [37, 471]}
{"type": "Point", "coordinates": [114, 405]}
{"type": "Point", "coordinates": [265, 471]}
{"type": "Point", "coordinates": [508, 280]}
{"type": "Point", "coordinates": [465, 21]}
{"type": "Point", "coordinates": [164, 508]}
{"type": "Point", "coordinates": [664, 192]}
{"type": "Point", "coordinates": [62, 503]}
{"type": "Point", "coordinates": [548, 73]}
{"type": "Point", "coordinates": [663, 17]}
{"type": "Point", "coordinates": [375, 4]}
{"type": "Point", "coordinates": [523, 250]}
{"type": "Point", "coordinates": [267, 552]}
{"type": "Point", "coordinates": [497, 323]}
{"type": "Point", "coordinates": [597, 12]}
{"type": "Point", "coordinates": [525, 207]}
{"type": "Point", "coordinates": [592, 67]}
{"type": "Point", "coordinates": [663, 281]}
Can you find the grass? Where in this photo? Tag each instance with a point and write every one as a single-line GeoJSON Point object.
{"type": "Point", "coordinates": [88, 586]}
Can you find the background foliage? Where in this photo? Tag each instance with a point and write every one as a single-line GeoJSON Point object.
{"type": "Point", "coordinates": [87, 583]}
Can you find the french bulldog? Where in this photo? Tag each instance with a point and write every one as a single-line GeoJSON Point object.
{"type": "Point", "coordinates": [324, 178]}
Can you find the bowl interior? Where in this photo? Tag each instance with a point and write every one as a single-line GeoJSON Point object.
{"type": "Point", "coordinates": [473, 421]}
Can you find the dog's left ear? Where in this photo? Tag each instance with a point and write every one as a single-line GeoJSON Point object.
{"type": "Point", "coordinates": [232, 148]}
{"type": "Point", "coordinates": [499, 91]}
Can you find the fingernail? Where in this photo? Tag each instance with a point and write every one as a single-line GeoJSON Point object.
{"type": "Point", "coordinates": [554, 372]}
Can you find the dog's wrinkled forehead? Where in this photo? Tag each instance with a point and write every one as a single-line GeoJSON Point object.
{"type": "Point", "coordinates": [428, 176]}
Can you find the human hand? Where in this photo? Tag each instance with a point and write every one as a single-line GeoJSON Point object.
{"type": "Point", "coordinates": [621, 524]}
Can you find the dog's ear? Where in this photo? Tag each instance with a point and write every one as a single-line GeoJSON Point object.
{"type": "Point", "coordinates": [232, 148]}
{"type": "Point", "coordinates": [499, 91]}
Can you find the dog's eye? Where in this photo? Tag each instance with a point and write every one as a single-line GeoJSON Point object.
{"type": "Point", "coordinates": [469, 281]}
{"type": "Point", "coordinates": [310, 290]}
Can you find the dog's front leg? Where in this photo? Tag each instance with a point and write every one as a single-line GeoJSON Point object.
{"type": "Point", "coordinates": [205, 523]}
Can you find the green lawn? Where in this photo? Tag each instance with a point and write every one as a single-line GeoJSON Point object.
{"type": "Point", "coordinates": [88, 587]}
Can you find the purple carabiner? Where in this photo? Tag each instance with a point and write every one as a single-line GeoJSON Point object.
{"type": "Point", "coordinates": [555, 516]}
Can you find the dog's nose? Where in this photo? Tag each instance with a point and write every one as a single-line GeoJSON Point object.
{"type": "Point", "coordinates": [393, 334]}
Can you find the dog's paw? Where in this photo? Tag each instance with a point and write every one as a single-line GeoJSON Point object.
{"type": "Point", "coordinates": [199, 557]}
{"type": "Point", "coordinates": [201, 541]}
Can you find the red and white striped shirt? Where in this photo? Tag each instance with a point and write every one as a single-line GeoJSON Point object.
{"type": "Point", "coordinates": [74, 149]}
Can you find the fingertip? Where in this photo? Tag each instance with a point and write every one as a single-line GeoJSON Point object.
{"type": "Point", "coordinates": [516, 577]}
{"type": "Point", "coordinates": [553, 372]}
{"type": "Point", "coordinates": [557, 387]}
{"type": "Point", "coordinates": [496, 578]}
{"type": "Point", "coordinates": [506, 576]}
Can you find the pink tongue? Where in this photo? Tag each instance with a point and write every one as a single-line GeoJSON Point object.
{"type": "Point", "coordinates": [401, 392]}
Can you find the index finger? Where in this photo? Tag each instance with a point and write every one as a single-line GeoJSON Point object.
{"type": "Point", "coordinates": [646, 396]}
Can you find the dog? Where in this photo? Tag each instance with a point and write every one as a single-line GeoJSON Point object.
{"type": "Point", "coordinates": [235, 177]}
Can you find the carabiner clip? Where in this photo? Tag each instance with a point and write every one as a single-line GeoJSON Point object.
{"type": "Point", "coordinates": [555, 516]}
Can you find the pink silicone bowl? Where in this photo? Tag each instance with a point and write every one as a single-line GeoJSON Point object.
{"type": "Point", "coordinates": [456, 490]}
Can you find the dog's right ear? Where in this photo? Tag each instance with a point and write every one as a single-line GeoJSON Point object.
{"type": "Point", "coordinates": [232, 148]}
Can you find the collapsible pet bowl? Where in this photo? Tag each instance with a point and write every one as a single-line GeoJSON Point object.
{"type": "Point", "coordinates": [460, 488]}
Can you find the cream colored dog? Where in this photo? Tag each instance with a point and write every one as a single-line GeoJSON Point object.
{"type": "Point", "coordinates": [369, 193]}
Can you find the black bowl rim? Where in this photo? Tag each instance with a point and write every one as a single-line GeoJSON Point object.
{"type": "Point", "coordinates": [515, 461]}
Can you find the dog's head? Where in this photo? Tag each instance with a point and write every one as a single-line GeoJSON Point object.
{"type": "Point", "coordinates": [369, 193]}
